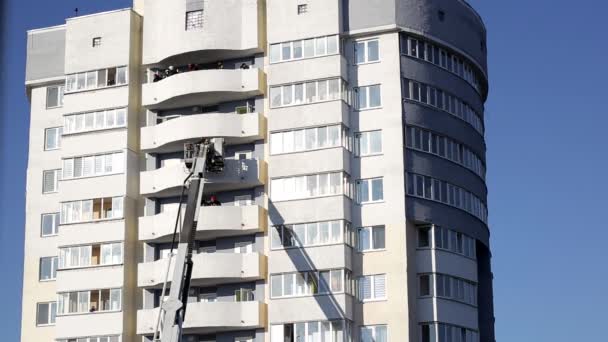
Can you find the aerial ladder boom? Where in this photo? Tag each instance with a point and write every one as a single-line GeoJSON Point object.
{"type": "Point", "coordinates": [205, 157]}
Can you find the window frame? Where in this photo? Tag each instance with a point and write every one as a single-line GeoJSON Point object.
{"type": "Point", "coordinates": [57, 176]}
{"type": "Point", "coordinates": [372, 247]}
{"type": "Point", "coordinates": [276, 151]}
{"type": "Point", "coordinates": [116, 168]}
{"type": "Point", "coordinates": [104, 114]}
{"type": "Point", "coordinates": [96, 42]}
{"type": "Point", "coordinates": [370, 190]}
{"type": "Point", "coordinates": [290, 89]}
{"type": "Point", "coordinates": [357, 91]}
{"type": "Point", "coordinates": [373, 328]}
{"type": "Point", "coordinates": [59, 133]}
{"type": "Point", "coordinates": [54, 264]}
{"type": "Point", "coordinates": [342, 190]}
{"type": "Point", "coordinates": [194, 22]}
{"type": "Point", "coordinates": [92, 200]}
{"type": "Point", "coordinates": [346, 235]}
{"type": "Point", "coordinates": [357, 149]}
{"type": "Point", "coordinates": [302, 9]}
{"type": "Point", "coordinates": [55, 224]}
{"type": "Point", "coordinates": [312, 287]}
{"type": "Point", "coordinates": [60, 93]}
{"type": "Point", "coordinates": [51, 322]}
{"type": "Point", "coordinates": [366, 52]}
{"type": "Point", "coordinates": [71, 80]}
{"type": "Point", "coordinates": [373, 297]}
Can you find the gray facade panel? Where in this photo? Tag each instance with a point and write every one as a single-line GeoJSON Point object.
{"type": "Point", "coordinates": [445, 124]}
{"type": "Point", "coordinates": [363, 14]}
{"type": "Point", "coordinates": [425, 211]}
{"type": "Point", "coordinates": [430, 165]}
{"type": "Point", "coordinates": [45, 54]}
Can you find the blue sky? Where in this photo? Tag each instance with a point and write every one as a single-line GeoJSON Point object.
{"type": "Point", "coordinates": [546, 119]}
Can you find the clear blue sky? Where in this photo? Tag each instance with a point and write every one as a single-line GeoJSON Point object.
{"type": "Point", "coordinates": [545, 117]}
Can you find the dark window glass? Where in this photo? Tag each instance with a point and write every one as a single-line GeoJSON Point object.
{"type": "Point", "coordinates": [423, 93]}
{"type": "Point", "coordinates": [424, 239]}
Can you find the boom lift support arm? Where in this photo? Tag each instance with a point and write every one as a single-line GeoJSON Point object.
{"type": "Point", "coordinates": [200, 159]}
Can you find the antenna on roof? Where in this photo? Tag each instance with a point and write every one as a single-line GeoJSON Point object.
{"type": "Point", "coordinates": [76, 11]}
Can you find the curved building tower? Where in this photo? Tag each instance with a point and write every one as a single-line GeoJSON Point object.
{"type": "Point", "coordinates": [353, 201]}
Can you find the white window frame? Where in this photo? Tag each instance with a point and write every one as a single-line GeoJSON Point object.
{"type": "Point", "coordinates": [367, 88]}
{"type": "Point", "coordinates": [278, 234]}
{"type": "Point", "coordinates": [117, 165]}
{"type": "Point", "coordinates": [243, 200]}
{"type": "Point", "coordinates": [374, 332]}
{"type": "Point", "coordinates": [278, 145]}
{"type": "Point", "coordinates": [248, 245]}
{"type": "Point", "coordinates": [303, 181]}
{"type": "Point", "coordinates": [54, 262]}
{"type": "Point", "coordinates": [291, 89]}
{"type": "Point", "coordinates": [371, 248]}
{"type": "Point", "coordinates": [364, 44]}
{"type": "Point", "coordinates": [50, 313]}
{"type": "Point", "coordinates": [358, 140]}
{"type": "Point", "coordinates": [372, 279]}
{"type": "Point", "coordinates": [57, 174]}
{"type": "Point", "coordinates": [70, 121]}
{"type": "Point", "coordinates": [73, 79]}
{"type": "Point", "coordinates": [344, 275]}
{"type": "Point", "coordinates": [55, 224]}
{"type": "Point", "coordinates": [276, 49]}
{"type": "Point", "coordinates": [57, 140]}
{"type": "Point", "coordinates": [60, 92]}
{"type": "Point", "coordinates": [370, 191]}
{"type": "Point", "coordinates": [68, 209]}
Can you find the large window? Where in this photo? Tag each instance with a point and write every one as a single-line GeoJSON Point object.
{"type": "Point", "coordinates": [440, 332]}
{"type": "Point", "coordinates": [374, 333]}
{"type": "Point", "coordinates": [316, 331]}
{"type": "Point", "coordinates": [48, 268]}
{"type": "Point", "coordinates": [311, 234]}
{"type": "Point", "coordinates": [91, 210]}
{"type": "Point", "coordinates": [50, 181]}
{"type": "Point", "coordinates": [368, 143]}
{"type": "Point", "coordinates": [194, 20]}
{"type": "Point", "coordinates": [97, 165]}
{"type": "Point", "coordinates": [49, 225]}
{"type": "Point", "coordinates": [52, 138]}
{"type": "Point", "coordinates": [440, 191]}
{"type": "Point", "coordinates": [89, 301]}
{"type": "Point", "coordinates": [371, 238]}
{"type": "Point", "coordinates": [367, 51]}
{"type": "Point", "coordinates": [94, 121]}
{"type": "Point", "coordinates": [372, 287]}
{"type": "Point", "coordinates": [91, 255]}
{"type": "Point", "coordinates": [447, 239]}
{"type": "Point", "coordinates": [368, 97]}
{"type": "Point", "coordinates": [306, 48]}
{"type": "Point", "coordinates": [425, 50]}
{"type": "Point", "coordinates": [318, 185]}
{"type": "Point", "coordinates": [310, 283]}
{"type": "Point", "coordinates": [427, 141]}
{"type": "Point", "coordinates": [113, 338]}
{"type": "Point", "coordinates": [435, 97]}
{"type": "Point", "coordinates": [54, 96]}
{"type": "Point", "coordinates": [370, 190]}
{"type": "Point", "coordinates": [96, 79]}
{"type": "Point", "coordinates": [307, 139]}
{"type": "Point", "coordinates": [46, 313]}
{"type": "Point", "coordinates": [308, 92]}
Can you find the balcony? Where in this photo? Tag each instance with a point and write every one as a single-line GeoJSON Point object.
{"type": "Point", "coordinates": [166, 41]}
{"type": "Point", "coordinates": [78, 279]}
{"type": "Point", "coordinates": [171, 135]}
{"type": "Point", "coordinates": [308, 162]}
{"type": "Point", "coordinates": [311, 258]}
{"type": "Point", "coordinates": [209, 269]}
{"type": "Point", "coordinates": [318, 307]}
{"type": "Point", "coordinates": [203, 87]}
{"type": "Point", "coordinates": [94, 324]}
{"type": "Point", "coordinates": [214, 222]}
{"type": "Point", "coordinates": [238, 174]}
{"type": "Point", "coordinates": [310, 115]}
{"type": "Point", "coordinates": [208, 318]}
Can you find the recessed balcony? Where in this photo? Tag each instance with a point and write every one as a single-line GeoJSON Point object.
{"type": "Point", "coordinates": [93, 324]}
{"type": "Point", "coordinates": [203, 87]}
{"type": "Point", "coordinates": [171, 135]}
{"type": "Point", "coordinates": [318, 307]}
{"type": "Point", "coordinates": [167, 181]}
{"type": "Point", "coordinates": [207, 318]}
{"type": "Point", "coordinates": [209, 269]}
{"type": "Point", "coordinates": [214, 222]}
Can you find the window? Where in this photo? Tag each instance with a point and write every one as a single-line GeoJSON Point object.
{"type": "Point", "coordinates": [97, 165]}
{"type": "Point", "coordinates": [456, 289]}
{"type": "Point", "coordinates": [424, 237]}
{"type": "Point", "coordinates": [94, 121]}
{"type": "Point", "coordinates": [91, 210]}
{"type": "Point", "coordinates": [96, 79]}
{"type": "Point", "coordinates": [113, 338]}
{"type": "Point", "coordinates": [244, 247]}
{"type": "Point", "coordinates": [440, 332]}
{"type": "Point", "coordinates": [307, 139]}
{"type": "Point", "coordinates": [307, 92]}
{"type": "Point", "coordinates": [367, 51]}
{"type": "Point", "coordinates": [326, 331]}
{"type": "Point", "coordinates": [424, 285]}
{"type": "Point", "coordinates": [324, 184]}
{"type": "Point", "coordinates": [49, 224]}
{"type": "Point", "coordinates": [368, 97]}
{"type": "Point", "coordinates": [447, 239]}
{"type": "Point", "coordinates": [207, 297]}
{"type": "Point", "coordinates": [241, 201]}
{"type": "Point", "coordinates": [370, 190]}
{"type": "Point", "coordinates": [303, 8]}
{"type": "Point", "coordinates": [311, 234]}
{"type": "Point", "coordinates": [46, 313]}
{"type": "Point", "coordinates": [368, 143]}
{"type": "Point", "coordinates": [371, 238]}
{"type": "Point", "coordinates": [48, 268]}
{"type": "Point", "coordinates": [52, 138]}
{"type": "Point", "coordinates": [50, 181]}
{"type": "Point", "coordinates": [374, 333]}
{"type": "Point", "coordinates": [243, 295]}
{"type": "Point", "coordinates": [91, 255]}
{"type": "Point", "coordinates": [309, 283]}
{"type": "Point", "coordinates": [89, 301]}
{"type": "Point", "coordinates": [96, 41]}
{"type": "Point", "coordinates": [372, 287]}
{"type": "Point", "coordinates": [427, 141]}
{"type": "Point", "coordinates": [54, 96]}
{"type": "Point", "coordinates": [194, 20]}
{"type": "Point", "coordinates": [440, 191]}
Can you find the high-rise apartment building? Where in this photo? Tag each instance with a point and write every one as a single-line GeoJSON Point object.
{"type": "Point", "coordinates": [353, 201]}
